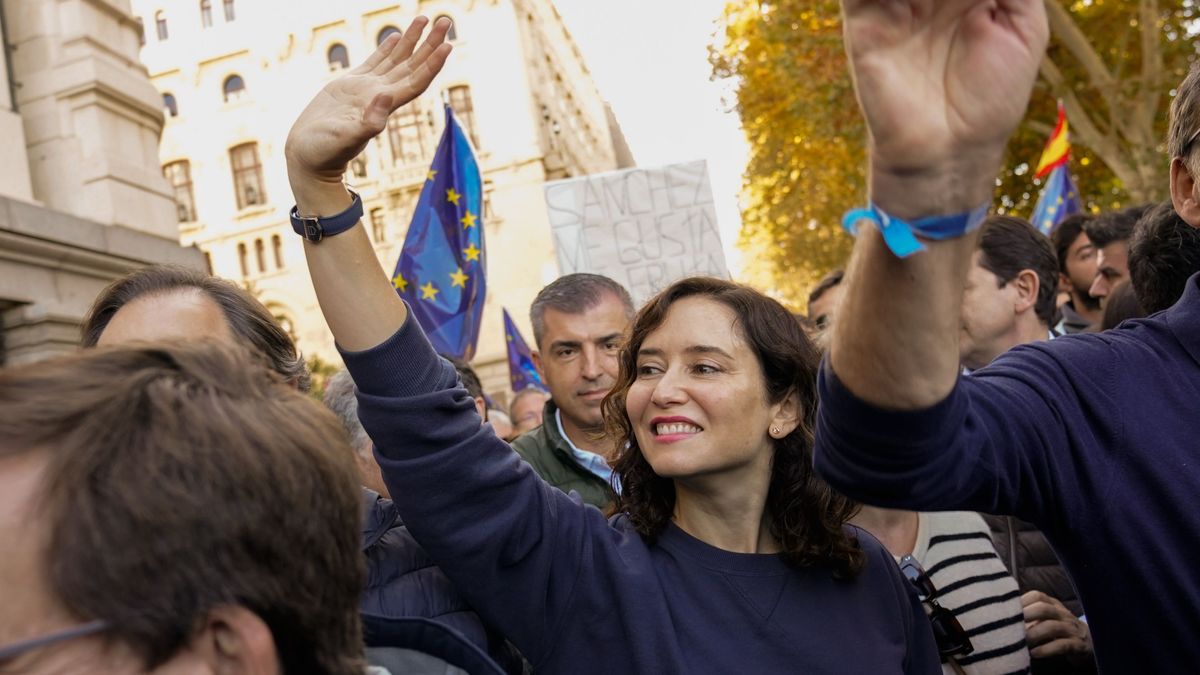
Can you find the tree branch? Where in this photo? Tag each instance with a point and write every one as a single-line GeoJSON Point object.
{"type": "Point", "coordinates": [1106, 146]}
{"type": "Point", "coordinates": [1147, 101]}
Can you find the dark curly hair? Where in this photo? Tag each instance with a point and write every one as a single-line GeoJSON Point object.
{"type": "Point", "coordinates": [806, 516]}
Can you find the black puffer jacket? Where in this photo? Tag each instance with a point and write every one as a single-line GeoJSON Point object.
{"type": "Point", "coordinates": [403, 583]}
{"type": "Point", "coordinates": [1029, 558]}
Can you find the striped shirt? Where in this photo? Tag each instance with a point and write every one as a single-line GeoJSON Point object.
{"type": "Point", "coordinates": [956, 551]}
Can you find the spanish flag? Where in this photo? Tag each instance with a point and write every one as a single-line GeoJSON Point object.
{"type": "Point", "coordinates": [1058, 148]}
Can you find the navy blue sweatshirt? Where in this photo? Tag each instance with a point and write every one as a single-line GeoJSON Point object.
{"type": "Point", "coordinates": [1095, 438]}
{"type": "Point", "coordinates": [578, 593]}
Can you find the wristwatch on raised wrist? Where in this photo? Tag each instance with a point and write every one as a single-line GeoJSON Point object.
{"type": "Point", "coordinates": [315, 228]}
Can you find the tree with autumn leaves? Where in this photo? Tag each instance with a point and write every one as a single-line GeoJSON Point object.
{"type": "Point", "coordinates": [1112, 64]}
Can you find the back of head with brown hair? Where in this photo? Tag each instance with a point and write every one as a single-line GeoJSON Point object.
{"type": "Point", "coordinates": [183, 478]}
{"type": "Point", "coordinates": [805, 514]}
{"type": "Point", "coordinates": [247, 317]}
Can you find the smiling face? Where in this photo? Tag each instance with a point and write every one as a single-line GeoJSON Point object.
{"type": "Point", "coordinates": [698, 405]}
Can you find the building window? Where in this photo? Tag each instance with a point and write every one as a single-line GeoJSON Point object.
{"type": "Point", "coordinates": [406, 136]}
{"type": "Point", "coordinates": [170, 105]}
{"type": "Point", "coordinates": [338, 57]}
{"type": "Point", "coordinates": [242, 259]}
{"type": "Point", "coordinates": [384, 33]}
{"type": "Point", "coordinates": [206, 13]}
{"type": "Point", "coordinates": [247, 175]}
{"type": "Point", "coordinates": [452, 34]}
{"type": "Point", "coordinates": [233, 88]}
{"type": "Point", "coordinates": [260, 255]}
{"type": "Point", "coordinates": [141, 31]}
{"type": "Point", "coordinates": [229, 14]}
{"type": "Point", "coordinates": [277, 247]}
{"type": "Point", "coordinates": [160, 25]}
{"type": "Point", "coordinates": [358, 166]}
{"type": "Point", "coordinates": [179, 176]}
{"type": "Point", "coordinates": [464, 110]}
{"type": "Point", "coordinates": [378, 227]}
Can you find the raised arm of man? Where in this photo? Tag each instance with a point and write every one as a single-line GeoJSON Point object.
{"type": "Point", "coordinates": [942, 85]}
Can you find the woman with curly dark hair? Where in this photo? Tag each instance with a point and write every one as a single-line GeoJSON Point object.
{"type": "Point", "coordinates": [732, 557]}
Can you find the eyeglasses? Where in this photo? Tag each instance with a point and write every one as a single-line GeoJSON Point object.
{"type": "Point", "coordinates": [1183, 152]}
{"type": "Point", "coordinates": [951, 639]}
{"type": "Point", "coordinates": [11, 651]}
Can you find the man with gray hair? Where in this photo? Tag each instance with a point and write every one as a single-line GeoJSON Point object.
{"type": "Point", "coordinates": [341, 398]}
{"type": "Point", "coordinates": [579, 322]}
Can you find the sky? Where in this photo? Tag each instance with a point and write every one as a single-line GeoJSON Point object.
{"type": "Point", "coordinates": [649, 59]}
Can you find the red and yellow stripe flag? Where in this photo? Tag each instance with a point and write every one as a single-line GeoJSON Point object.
{"type": "Point", "coordinates": [1058, 148]}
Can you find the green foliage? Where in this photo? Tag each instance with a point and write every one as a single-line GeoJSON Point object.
{"type": "Point", "coordinates": [807, 139]}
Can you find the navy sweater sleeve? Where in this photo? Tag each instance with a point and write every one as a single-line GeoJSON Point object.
{"type": "Point", "coordinates": [515, 547]}
{"type": "Point", "coordinates": [1032, 435]}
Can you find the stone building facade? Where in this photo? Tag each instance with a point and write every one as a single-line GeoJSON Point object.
{"type": "Point", "coordinates": [82, 197]}
{"type": "Point", "coordinates": [234, 74]}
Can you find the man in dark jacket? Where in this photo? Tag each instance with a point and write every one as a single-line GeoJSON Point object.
{"type": "Point", "coordinates": [579, 322]}
{"type": "Point", "coordinates": [402, 582]}
{"type": "Point", "coordinates": [1009, 300]}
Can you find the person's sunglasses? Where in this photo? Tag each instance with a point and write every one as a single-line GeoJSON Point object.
{"type": "Point", "coordinates": [949, 634]}
{"type": "Point", "coordinates": [10, 652]}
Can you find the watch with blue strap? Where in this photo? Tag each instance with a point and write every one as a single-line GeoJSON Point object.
{"type": "Point", "coordinates": [314, 228]}
{"type": "Point", "coordinates": [901, 236]}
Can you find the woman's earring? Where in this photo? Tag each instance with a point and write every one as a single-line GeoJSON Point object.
{"type": "Point", "coordinates": [775, 432]}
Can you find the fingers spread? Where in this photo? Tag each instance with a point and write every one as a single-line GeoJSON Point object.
{"type": "Point", "coordinates": [404, 48]}
{"type": "Point", "coordinates": [380, 53]}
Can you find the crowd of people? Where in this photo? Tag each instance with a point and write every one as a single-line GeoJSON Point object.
{"type": "Point", "coordinates": [975, 459]}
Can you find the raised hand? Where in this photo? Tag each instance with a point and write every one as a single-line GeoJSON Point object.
{"type": "Point", "coordinates": [942, 84]}
{"type": "Point", "coordinates": [353, 109]}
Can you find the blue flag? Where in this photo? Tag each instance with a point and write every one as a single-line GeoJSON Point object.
{"type": "Point", "coordinates": [442, 268]}
{"type": "Point", "coordinates": [1059, 199]}
{"type": "Point", "coordinates": [521, 370]}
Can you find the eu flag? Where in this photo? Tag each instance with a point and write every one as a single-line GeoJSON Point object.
{"type": "Point", "coordinates": [521, 370]}
{"type": "Point", "coordinates": [1059, 199]}
{"type": "Point", "coordinates": [442, 267]}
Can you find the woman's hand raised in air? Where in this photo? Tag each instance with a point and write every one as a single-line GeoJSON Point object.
{"type": "Point", "coordinates": [353, 109]}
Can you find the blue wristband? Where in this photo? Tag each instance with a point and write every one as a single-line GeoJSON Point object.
{"type": "Point", "coordinates": [901, 236]}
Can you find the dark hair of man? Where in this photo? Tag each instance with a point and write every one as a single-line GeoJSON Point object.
{"type": "Point", "coordinates": [247, 317]}
{"type": "Point", "coordinates": [574, 294]}
{"type": "Point", "coordinates": [1065, 236]}
{"type": "Point", "coordinates": [1112, 226]}
{"type": "Point", "coordinates": [804, 513]}
{"type": "Point", "coordinates": [1163, 253]}
{"type": "Point", "coordinates": [1185, 121]}
{"type": "Point", "coordinates": [181, 478]}
{"type": "Point", "coordinates": [1122, 304]}
{"type": "Point", "coordinates": [470, 380]}
{"type": "Point", "coordinates": [827, 282]}
{"type": "Point", "coordinates": [1009, 246]}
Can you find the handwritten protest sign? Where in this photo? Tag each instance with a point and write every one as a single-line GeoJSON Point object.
{"type": "Point", "coordinates": [643, 227]}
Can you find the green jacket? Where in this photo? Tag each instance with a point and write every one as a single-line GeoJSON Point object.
{"type": "Point", "coordinates": [548, 453]}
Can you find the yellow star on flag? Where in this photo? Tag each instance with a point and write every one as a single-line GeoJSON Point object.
{"type": "Point", "coordinates": [432, 173]}
{"type": "Point", "coordinates": [471, 252]}
{"type": "Point", "coordinates": [399, 283]}
{"type": "Point", "coordinates": [458, 279]}
{"type": "Point", "coordinates": [468, 220]}
{"type": "Point", "coordinates": [429, 291]}
{"type": "Point", "coordinates": [453, 196]}
{"type": "Point", "coordinates": [510, 337]}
